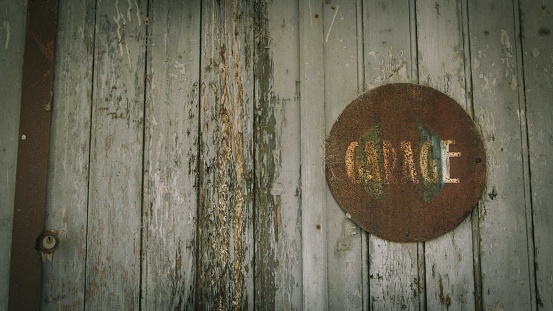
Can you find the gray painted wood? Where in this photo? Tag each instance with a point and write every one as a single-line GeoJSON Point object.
{"type": "Point", "coordinates": [225, 264]}
{"type": "Point", "coordinates": [66, 206]}
{"type": "Point", "coordinates": [393, 276]}
{"type": "Point", "coordinates": [278, 274]}
{"type": "Point", "coordinates": [114, 211]}
{"type": "Point", "coordinates": [313, 184]}
{"type": "Point", "coordinates": [171, 146]}
{"type": "Point", "coordinates": [345, 268]}
{"type": "Point", "coordinates": [503, 234]}
{"type": "Point", "coordinates": [12, 42]}
{"type": "Point", "coordinates": [448, 259]}
{"type": "Point", "coordinates": [537, 45]}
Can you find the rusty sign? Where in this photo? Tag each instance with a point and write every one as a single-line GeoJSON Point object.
{"type": "Point", "coordinates": [405, 162]}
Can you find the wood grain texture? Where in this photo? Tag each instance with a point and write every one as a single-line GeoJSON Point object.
{"type": "Point", "coordinates": [114, 213]}
{"type": "Point", "coordinates": [393, 275]}
{"type": "Point", "coordinates": [171, 144]}
{"type": "Point", "coordinates": [313, 184]}
{"type": "Point", "coordinates": [278, 278]}
{"type": "Point", "coordinates": [225, 265]}
{"type": "Point", "coordinates": [12, 42]}
{"type": "Point", "coordinates": [503, 234]}
{"type": "Point", "coordinates": [448, 259]}
{"type": "Point", "coordinates": [66, 207]}
{"type": "Point", "coordinates": [537, 45]}
{"type": "Point", "coordinates": [344, 248]}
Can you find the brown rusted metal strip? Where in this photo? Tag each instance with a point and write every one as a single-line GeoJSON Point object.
{"type": "Point", "coordinates": [32, 156]}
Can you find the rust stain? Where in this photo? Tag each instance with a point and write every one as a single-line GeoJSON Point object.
{"type": "Point", "coordinates": [47, 48]}
{"type": "Point", "coordinates": [444, 299]}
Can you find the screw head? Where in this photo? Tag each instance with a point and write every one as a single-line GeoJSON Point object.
{"type": "Point", "coordinates": [23, 137]}
{"type": "Point", "coordinates": [49, 242]}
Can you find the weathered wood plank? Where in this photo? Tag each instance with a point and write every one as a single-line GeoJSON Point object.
{"type": "Point", "coordinates": [66, 207]}
{"type": "Point", "coordinates": [114, 212]}
{"type": "Point", "coordinates": [537, 44]}
{"type": "Point", "coordinates": [503, 233]}
{"type": "Point", "coordinates": [448, 259]}
{"type": "Point", "coordinates": [170, 195]}
{"type": "Point", "coordinates": [225, 265]}
{"type": "Point", "coordinates": [393, 274]}
{"type": "Point", "coordinates": [344, 248]}
{"type": "Point", "coordinates": [12, 42]}
{"type": "Point", "coordinates": [278, 277]}
{"type": "Point", "coordinates": [313, 184]}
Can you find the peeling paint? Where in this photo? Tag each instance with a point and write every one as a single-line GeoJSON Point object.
{"type": "Point", "coordinates": [8, 34]}
{"type": "Point", "coordinates": [226, 136]}
{"type": "Point", "coordinates": [392, 69]}
{"type": "Point", "coordinates": [117, 19]}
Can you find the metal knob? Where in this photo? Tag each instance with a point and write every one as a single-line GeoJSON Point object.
{"type": "Point", "coordinates": [48, 242]}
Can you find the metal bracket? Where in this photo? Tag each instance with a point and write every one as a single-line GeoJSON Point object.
{"type": "Point", "coordinates": [32, 155]}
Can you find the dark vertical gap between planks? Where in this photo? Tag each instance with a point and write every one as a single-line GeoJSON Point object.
{"type": "Point", "coordinates": [256, 30]}
{"type": "Point", "coordinates": [365, 261]}
{"type": "Point", "coordinates": [360, 46]}
{"type": "Point", "coordinates": [414, 40]}
{"type": "Point", "coordinates": [525, 146]}
{"type": "Point", "coordinates": [421, 258]}
{"type": "Point", "coordinates": [142, 182]}
{"type": "Point", "coordinates": [92, 75]}
{"type": "Point", "coordinates": [199, 168]}
{"type": "Point", "coordinates": [475, 219]}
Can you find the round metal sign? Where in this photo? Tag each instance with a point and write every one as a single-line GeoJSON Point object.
{"type": "Point", "coordinates": [405, 162]}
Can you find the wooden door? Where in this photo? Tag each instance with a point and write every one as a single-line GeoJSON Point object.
{"type": "Point", "coordinates": [187, 153]}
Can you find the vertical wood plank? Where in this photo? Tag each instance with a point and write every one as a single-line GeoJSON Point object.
{"type": "Point", "coordinates": [12, 42]}
{"type": "Point", "coordinates": [344, 248]}
{"type": "Point", "coordinates": [66, 207]}
{"type": "Point", "coordinates": [313, 194]}
{"type": "Point", "coordinates": [393, 274]}
{"type": "Point", "coordinates": [537, 45]}
{"type": "Point", "coordinates": [170, 195]}
{"type": "Point", "coordinates": [502, 216]}
{"type": "Point", "coordinates": [278, 278]}
{"type": "Point", "coordinates": [226, 129]}
{"type": "Point", "coordinates": [448, 259]}
{"type": "Point", "coordinates": [114, 213]}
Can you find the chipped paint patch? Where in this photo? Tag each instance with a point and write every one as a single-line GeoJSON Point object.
{"type": "Point", "coordinates": [392, 69]}
{"type": "Point", "coordinates": [8, 34]}
{"type": "Point", "coordinates": [226, 138]}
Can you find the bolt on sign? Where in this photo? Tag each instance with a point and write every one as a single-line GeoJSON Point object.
{"type": "Point", "coordinates": [405, 162]}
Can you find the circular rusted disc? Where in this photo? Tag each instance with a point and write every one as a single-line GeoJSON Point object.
{"type": "Point", "coordinates": [405, 162]}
